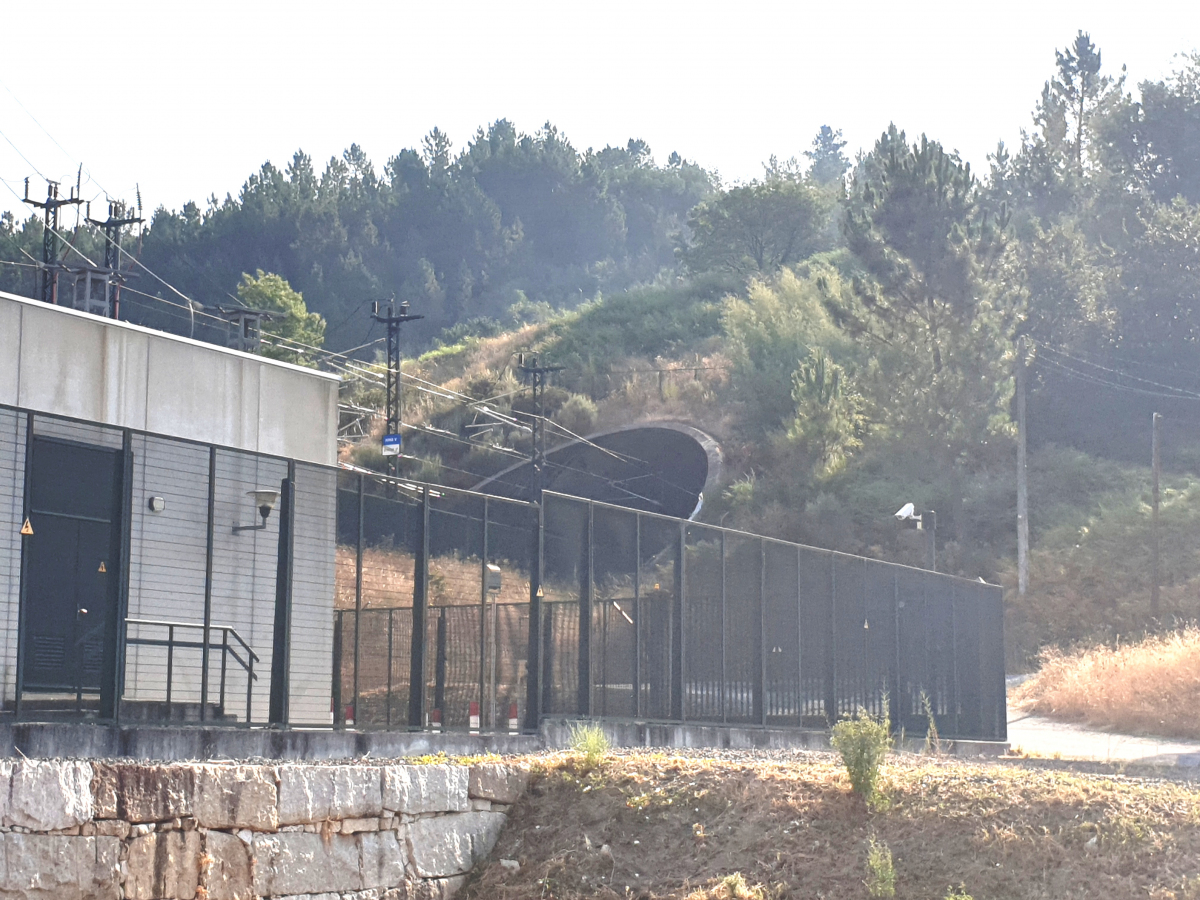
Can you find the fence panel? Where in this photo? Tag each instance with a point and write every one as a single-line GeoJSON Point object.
{"type": "Point", "coordinates": [657, 565]}
{"type": "Point", "coordinates": [704, 625]}
{"type": "Point", "coordinates": [817, 657]}
{"type": "Point", "coordinates": [781, 582]}
{"type": "Point", "coordinates": [511, 530]}
{"type": "Point", "coordinates": [917, 676]}
{"type": "Point", "coordinates": [391, 539]}
{"type": "Point", "coordinates": [942, 683]}
{"type": "Point", "coordinates": [454, 664]}
{"type": "Point", "coordinates": [743, 628]}
{"type": "Point", "coordinates": [616, 608]}
{"type": "Point", "coordinates": [565, 587]}
{"type": "Point", "coordinates": [879, 636]}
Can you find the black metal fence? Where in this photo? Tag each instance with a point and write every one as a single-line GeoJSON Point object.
{"type": "Point", "coordinates": [611, 613]}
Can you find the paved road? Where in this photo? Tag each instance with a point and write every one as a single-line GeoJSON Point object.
{"type": "Point", "coordinates": [1039, 736]}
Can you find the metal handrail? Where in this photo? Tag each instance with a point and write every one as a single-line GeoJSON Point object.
{"type": "Point", "coordinates": [247, 662]}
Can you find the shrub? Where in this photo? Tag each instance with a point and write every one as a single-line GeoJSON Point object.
{"type": "Point", "coordinates": [578, 414]}
{"type": "Point", "coordinates": [863, 742]}
{"type": "Point", "coordinates": [589, 739]}
{"type": "Point", "coordinates": [881, 870]}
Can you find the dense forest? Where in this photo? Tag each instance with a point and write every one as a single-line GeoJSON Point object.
{"type": "Point", "coordinates": [857, 320]}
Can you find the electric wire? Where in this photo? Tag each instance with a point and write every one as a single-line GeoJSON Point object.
{"type": "Point", "coordinates": [1118, 372]}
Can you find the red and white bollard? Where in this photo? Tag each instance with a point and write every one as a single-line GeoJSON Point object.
{"type": "Point", "coordinates": [474, 723]}
{"type": "Point", "coordinates": [435, 720]}
{"type": "Point", "coordinates": [514, 719]}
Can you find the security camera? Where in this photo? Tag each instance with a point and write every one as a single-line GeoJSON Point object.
{"type": "Point", "coordinates": [905, 512]}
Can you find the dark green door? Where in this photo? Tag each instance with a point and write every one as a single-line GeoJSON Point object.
{"type": "Point", "coordinates": [72, 568]}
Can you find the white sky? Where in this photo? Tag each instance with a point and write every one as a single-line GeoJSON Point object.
{"type": "Point", "coordinates": [188, 98]}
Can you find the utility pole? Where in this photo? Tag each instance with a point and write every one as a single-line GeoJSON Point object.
{"type": "Point", "coordinates": [1157, 467]}
{"type": "Point", "coordinates": [1022, 485]}
{"type": "Point", "coordinates": [112, 250]}
{"type": "Point", "coordinates": [50, 236]}
{"type": "Point", "coordinates": [392, 440]}
{"type": "Point", "coordinates": [536, 375]}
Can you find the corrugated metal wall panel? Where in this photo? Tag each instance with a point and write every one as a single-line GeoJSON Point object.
{"type": "Point", "coordinates": [167, 556]}
{"type": "Point", "coordinates": [312, 595]}
{"type": "Point", "coordinates": [12, 481]}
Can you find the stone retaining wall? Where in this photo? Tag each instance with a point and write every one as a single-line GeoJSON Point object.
{"type": "Point", "coordinates": [73, 830]}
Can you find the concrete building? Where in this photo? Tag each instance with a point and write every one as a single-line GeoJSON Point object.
{"type": "Point", "coordinates": [128, 529]}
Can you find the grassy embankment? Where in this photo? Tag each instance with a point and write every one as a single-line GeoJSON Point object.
{"type": "Point", "coordinates": [659, 826]}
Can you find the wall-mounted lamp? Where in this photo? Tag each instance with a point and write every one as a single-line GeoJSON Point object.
{"type": "Point", "coordinates": [925, 521]}
{"type": "Point", "coordinates": [157, 504]}
{"type": "Point", "coordinates": [492, 579]}
{"type": "Point", "coordinates": [264, 499]}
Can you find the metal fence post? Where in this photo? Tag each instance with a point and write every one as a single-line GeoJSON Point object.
{"type": "Point", "coordinates": [760, 695]}
{"type": "Point", "coordinates": [335, 689]}
{"type": "Point", "coordinates": [439, 666]}
{"type": "Point", "coordinates": [489, 718]}
{"type": "Point", "coordinates": [831, 673]}
{"type": "Point", "coordinates": [416, 672]}
{"type": "Point", "coordinates": [955, 696]}
{"type": "Point", "coordinates": [533, 659]}
{"type": "Point", "coordinates": [584, 701]}
{"type": "Point", "coordinates": [208, 582]}
{"type": "Point", "coordinates": [280, 653]}
{"type": "Point", "coordinates": [678, 667]}
{"type": "Point", "coordinates": [724, 635]}
{"type": "Point", "coordinates": [799, 643]}
{"type": "Point", "coordinates": [387, 718]}
{"type": "Point", "coordinates": [358, 595]}
{"type": "Point", "coordinates": [637, 615]}
{"type": "Point", "coordinates": [894, 705]}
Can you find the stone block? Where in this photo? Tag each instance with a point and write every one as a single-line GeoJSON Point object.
{"type": "Point", "coordinates": [45, 795]}
{"type": "Point", "coordinates": [142, 793]}
{"type": "Point", "coordinates": [353, 826]}
{"type": "Point", "coordinates": [41, 867]}
{"type": "Point", "coordinates": [383, 860]}
{"type": "Point", "coordinates": [301, 863]}
{"type": "Point", "coordinates": [433, 888]}
{"type": "Point", "coordinates": [315, 793]}
{"type": "Point", "coordinates": [163, 866]}
{"type": "Point", "coordinates": [230, 797]}
{"type": "Point", "coordinates": [452, 845]}
{"type": "Point", "coordinates": [425, 789]}
{"type": "Point", "coordinates": [227, 873]}
{"type": "Point", "coordinates": [497, 783]}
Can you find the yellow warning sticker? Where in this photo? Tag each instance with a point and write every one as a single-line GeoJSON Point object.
{"type": "Point", "coordinates": [26, 528]}
{"type": "Point", "coordinates": [102, 568]}
{"type": "Point", "coordinates": [539, 592]}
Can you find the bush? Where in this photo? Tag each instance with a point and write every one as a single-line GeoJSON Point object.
{"type": "Point", "coordinates": [578, 414]}
{"type": "Point", "coordinates": [589, 739]}
{"type": "Point", "coordinates": [881, 870]}
{"type": "Point", "coordinates": [863, 742]}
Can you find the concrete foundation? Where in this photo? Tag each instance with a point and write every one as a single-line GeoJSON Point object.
{"type": "Point", "coordinates": [76, 741]}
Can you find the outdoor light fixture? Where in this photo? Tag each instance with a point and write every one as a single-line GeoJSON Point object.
{"type": "Point", "coordinates": [264, 499]}
{"type": "Point", "coordinates": [157, 504]}
{"type": "Point", "coordinates": [908, 513]}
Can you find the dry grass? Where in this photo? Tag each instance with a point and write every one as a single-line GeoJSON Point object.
{"type": "Point", "coordinates": [1152, 686]}
{"type": "Point", "coordinates": [655, 826]}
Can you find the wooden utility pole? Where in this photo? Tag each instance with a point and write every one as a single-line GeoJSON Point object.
{"type": "Point", "coordinates": [1157, 468]}
{"type": "Point", "coordinates": [1022, 486]}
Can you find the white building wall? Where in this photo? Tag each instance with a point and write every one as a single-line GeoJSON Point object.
{"type": "Point", "coordinates": [113, 375]}
{"type": "Point", "coordinates": [70, 363]}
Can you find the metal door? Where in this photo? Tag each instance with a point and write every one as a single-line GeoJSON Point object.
{"type": "Point", "coordinates": [72, 567]}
